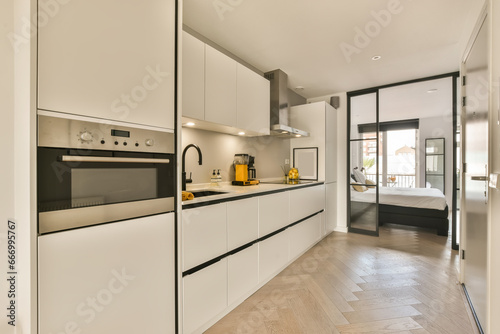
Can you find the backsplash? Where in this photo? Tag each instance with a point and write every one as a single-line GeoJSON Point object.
{"type": "Point", "coordinates": [218, 151]}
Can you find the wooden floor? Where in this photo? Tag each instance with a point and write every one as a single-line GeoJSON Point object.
{"type": "Point", "coordinates": [405, 281]}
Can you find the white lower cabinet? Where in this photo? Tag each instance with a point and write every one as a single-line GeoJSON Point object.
{"type": "Point", "coordinates": [213, 230]}
{"type": "Point", "coordinates": [305, 234]}
{"type": "Point", "coordinates": [307, 201]}
{"type": "Point", "coordinates": [110, 278]}
{"type": "Point", "coordinates": [242, 273]}
{"type": "Point", "coordinates": [203, 234]}
{"type": "Point", "coordinates": [205, 295]}
{"type": "Point", "coordinates": [273, 255]}
{"type": "Point", "coordinates": [274, 212]}
{"type": "Point", "coordinates": [242, 222]}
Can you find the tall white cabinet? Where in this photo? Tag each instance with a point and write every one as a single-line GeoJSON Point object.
{"type": "Point", "coordinates": [110, 59]}
{"type": "Point", "coordinates": [320, 120]}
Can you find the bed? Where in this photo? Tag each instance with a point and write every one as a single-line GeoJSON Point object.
{"type": "Point", "coordinates": [421, 207]}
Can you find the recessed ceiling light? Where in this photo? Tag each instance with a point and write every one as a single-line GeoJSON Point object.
{"type": "Point", "coordinates": [284, 131]}
{"type": "Point", "coordinates": [433, 90]}
{"type": "Point", "coordinates": [298, 135]}
{"type": "Point", "coordinates": [241, 133]}
{"type": "Point", "coordinates": [299, 88]}
{"type": "Point", "coordinates": [376, 57]}
{"type": "Point", "coordinates": [190, 124]}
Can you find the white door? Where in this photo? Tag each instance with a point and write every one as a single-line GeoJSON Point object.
{"type": "Point", "coordinates": [475, 156]}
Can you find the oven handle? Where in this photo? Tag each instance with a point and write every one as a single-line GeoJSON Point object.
{"type": "Point", "coordinates": [74, 158]}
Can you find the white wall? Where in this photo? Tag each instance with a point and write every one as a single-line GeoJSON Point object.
{"type": "Point", "coordinates": [6, 147]}
{"type": "Point", "coordinates": [218, 151]}
{"type": "Point", "coordinates": [341, 158]}
{"type": "Point", "coordinates": [437, 127]}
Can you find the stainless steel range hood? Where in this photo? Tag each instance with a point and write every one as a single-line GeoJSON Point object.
{"type": "Point", "coordinates": [280, 106]}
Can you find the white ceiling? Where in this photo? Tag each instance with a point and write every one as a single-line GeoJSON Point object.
{"type": "Point", "coordinates": [305, 38]}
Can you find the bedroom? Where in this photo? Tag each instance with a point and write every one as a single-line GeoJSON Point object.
{"type": "Point", "coordinates": [415, 149]}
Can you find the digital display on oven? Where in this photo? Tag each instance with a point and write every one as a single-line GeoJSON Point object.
{"type": "Point", "coordinates": [120, 133]}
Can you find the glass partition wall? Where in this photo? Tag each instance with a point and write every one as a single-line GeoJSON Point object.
{"type": "Point", "coordinates": [363, 164]}
{"type": "Point", "coordinates": [387, 131]}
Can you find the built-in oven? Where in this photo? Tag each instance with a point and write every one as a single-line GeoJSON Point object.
{"type": "Point", "coordinates": [90, 173]}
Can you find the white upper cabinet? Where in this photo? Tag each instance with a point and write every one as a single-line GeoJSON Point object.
{"type": "Point", "coordinates": [253, 96]}
{"type": "Point", "coordinates": [193, 77]}
{"type": "Point", "coordinates": [220, 87]}
{"type": "Point", "coordinates": [110, 59]}
{"type": "Point", "coordinates": [221, 94]}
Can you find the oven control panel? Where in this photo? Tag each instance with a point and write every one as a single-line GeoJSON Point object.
{"type": "Point", "coordinates": [71, 133]}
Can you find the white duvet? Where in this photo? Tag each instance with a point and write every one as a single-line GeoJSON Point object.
{"type": "Point", "coordinates": [424, 198]}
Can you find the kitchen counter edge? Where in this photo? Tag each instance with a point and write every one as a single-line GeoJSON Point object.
{"type": "Point", "coordinates": [234, 193]}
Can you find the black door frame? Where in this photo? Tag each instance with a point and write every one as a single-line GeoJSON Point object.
{"type": "Point", "coordinates": [454, 76]}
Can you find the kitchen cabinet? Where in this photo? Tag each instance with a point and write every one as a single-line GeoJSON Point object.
{"type": "Point", "coordinates": [220, 87]}
{"type": "Point", "coordinates": [205, 296]}
{"type": "Point", "coordinates": [220, 94]}
{"type": "Point", "coordinates": [330, 206]}
{"type": "Point", "coordinates": [110, 59]}
{"type": "Point", "coordinates": [242, 273]}
{"type": "Point", "coordinates": [274, 212]}
{"type": "Point", "coordinates": [193, 77]}
{"type": "Point", "coordinates": [303, 235]}
{"type": "Point", "coordinates": [110, 278]}
{"type": "Point", "coordinates": [306, 202]}
{"type": "Point", "coordinates": [320, 120]}
{"type": "Point", "coordinates": [253, 101]}
{"type": "Point", "coordinates": [203, 234]}
{"type": "Point", "coordinates": [242, 222]}
{"type": "Point", "coordinates": [273, 255]}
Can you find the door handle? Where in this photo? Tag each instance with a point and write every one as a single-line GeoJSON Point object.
{"type": "Point", "coordinates": [479, 178]}
{"type": "Point", "coordinates": [75, 158]}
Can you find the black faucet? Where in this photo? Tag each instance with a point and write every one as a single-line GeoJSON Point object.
{"type": "Point", "coordinates": [184, 180]}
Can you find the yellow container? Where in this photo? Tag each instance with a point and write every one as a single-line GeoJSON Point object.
{"type": "Point", "coordinates": [241, 173]}
{"type": "Point", "coordinates": [293, 174]}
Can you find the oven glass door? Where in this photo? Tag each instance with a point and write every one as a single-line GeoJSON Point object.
{"type": "Point", "coordinates": [86, 187]}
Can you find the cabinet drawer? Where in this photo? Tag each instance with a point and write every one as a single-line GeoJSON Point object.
{"type": "Point", "coordinates": [306, 201]}
{"type": "Point", "coordinates": [205, 295]}
{"type": "Point", "coordinates": [242, 222]}
{"type": "Point", "coordinates": [203, 234]}
{"type": "Point", "coordinates": [305, 234]}
{"type": "Point", "coordinates": [274, 212]}
{"type": "Point", "coordinates": [273, 255]}
{"type": "Point", "coordinates": [242, 273]}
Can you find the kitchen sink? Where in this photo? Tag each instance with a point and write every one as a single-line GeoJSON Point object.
{"type": "Point", "coordinates": [202, 193]}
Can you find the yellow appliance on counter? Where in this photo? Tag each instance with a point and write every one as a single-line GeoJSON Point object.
{"type": "Point", "coordinates": [241, 166]}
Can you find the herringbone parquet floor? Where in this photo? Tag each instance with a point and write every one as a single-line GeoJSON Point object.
{"type": "Point", "coordinates": [405, 281]}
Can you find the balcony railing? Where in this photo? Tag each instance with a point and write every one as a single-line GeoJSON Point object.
{"type": "Point", "coordinates": [400, 180]}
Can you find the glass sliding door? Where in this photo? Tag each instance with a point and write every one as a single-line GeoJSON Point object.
{"type": "Point", "coordinates": [363, 152]}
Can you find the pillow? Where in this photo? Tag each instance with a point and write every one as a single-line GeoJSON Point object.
{"type": "Point", "coordinates": [360, 177]}
{"type": "Point", "coordinates": [359, 187]}
{"type": "Point", "coordinates": [370, 182]}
